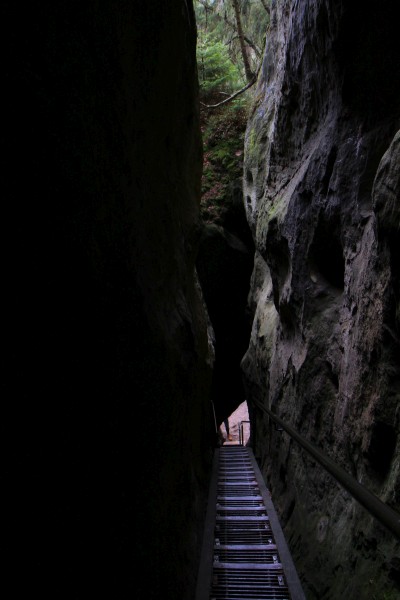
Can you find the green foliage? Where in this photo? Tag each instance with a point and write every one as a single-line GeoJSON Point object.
{"type": "Point", "coordinates": [223, 139]}
{"type": "Point", "coordinates": [217, 73]}
{"type": "Point", "coordinates": [216, 17]}
{"type": "Point", "coordinates": [221, 73]}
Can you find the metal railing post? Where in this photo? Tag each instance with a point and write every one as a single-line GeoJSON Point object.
{"type": "Point", "coordinates": [241, 433]}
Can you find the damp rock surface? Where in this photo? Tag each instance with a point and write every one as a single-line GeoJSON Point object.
{"type": "Point", "coordinates": [321, 191]}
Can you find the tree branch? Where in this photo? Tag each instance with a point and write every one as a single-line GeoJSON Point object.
{"type": "Point", "coordinates": [243, 49]}
{"type": "Point", "coordinates": [225, 19]}
{"type": "Point", "coordinates": [246, 87]}
{"type": "Point", "coordinates": [250, 43]}
{"type": "Point", "coordinates": [265, 5]}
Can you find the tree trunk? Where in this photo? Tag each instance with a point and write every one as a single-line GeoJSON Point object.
{"type": "Point", "coordinates": [211, 8]}
{"type": "Point", "coordinates": [263, 2]}
{"type": "Point", "coordinates": [247, 68]}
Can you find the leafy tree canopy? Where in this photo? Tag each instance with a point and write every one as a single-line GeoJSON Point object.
{"type": "Point", "coordinates": [223, 77]}
{"type": "Point", "coordinates": [231, 38]}
{"type": "Point", "coordinates": [217, 72]}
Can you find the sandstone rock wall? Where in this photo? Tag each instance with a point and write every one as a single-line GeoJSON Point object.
{"type": "Point", "coordinates": [106, 420]}
{"type": "Point", "coordinates": [322, 194]}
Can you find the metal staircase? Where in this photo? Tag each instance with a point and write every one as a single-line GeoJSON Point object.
{"type": "Point", "coordinates": [245, 555]}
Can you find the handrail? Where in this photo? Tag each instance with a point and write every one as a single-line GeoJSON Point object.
{"type": "Point", "coordinates": [241, 432]}
{"type": "Point", "coordinates": [381, 511]}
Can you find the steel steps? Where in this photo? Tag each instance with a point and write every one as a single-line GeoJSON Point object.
{"type": "Point", "coordinates": [242, 559]}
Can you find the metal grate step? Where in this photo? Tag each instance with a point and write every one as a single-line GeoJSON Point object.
{"type": "Point", "coordinates": [245, 537]}
{"type": "Point", "coordinates": [246, 584]}
{"type": "Point", "coordinates": [243, 511]}
{"type": "Point", "coordinates": [253, 555]}
{"type": "Point", "coordinates": [246, 562]}
{"type": "Point", "coordinates": [239, 501]}
{"type": "Point", "coordinates": [232, 492]}
{"type": "Point", "coordinates": [244, 556]}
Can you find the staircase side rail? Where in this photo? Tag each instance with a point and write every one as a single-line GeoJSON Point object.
{"type": "Point", "coordinates": [381, 511]}
{"type": "Point", "coordinates": [207, 553]}
{"type": "Point", "coordinates": [292, 578]}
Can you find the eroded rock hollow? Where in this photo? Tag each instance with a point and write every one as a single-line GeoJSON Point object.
{"type": "Point", "coordinates": [322, 193]}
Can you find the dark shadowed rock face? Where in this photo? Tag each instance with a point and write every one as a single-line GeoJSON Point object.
{"type": "Point", "coordinates": [106, 412]}
{"type": "Point", "coordinates": [322, 191]}
{"type": "Point", "coordinates": [224, 266]}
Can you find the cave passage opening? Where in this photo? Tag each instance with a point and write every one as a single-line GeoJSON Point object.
{"type": "Point", "coordinates": [238, 431]}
